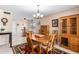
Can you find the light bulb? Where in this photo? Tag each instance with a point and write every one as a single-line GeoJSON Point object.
{"type": "Point", "coordinates": [38, 14]}
{"type": "Point", "coordinates": [34, 15]}
{"type": "Point", "coordinates": [41, 15]}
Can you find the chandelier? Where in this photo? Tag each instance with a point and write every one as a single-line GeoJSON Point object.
{"type": "Point", "coordinates": [38, 15]}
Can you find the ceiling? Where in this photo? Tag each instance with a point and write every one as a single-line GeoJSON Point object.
{"type": "Point", "coordinates": [20, 11]}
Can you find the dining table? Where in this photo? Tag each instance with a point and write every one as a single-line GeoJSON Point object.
{"type": "Point", "coordinates": [40, 39]}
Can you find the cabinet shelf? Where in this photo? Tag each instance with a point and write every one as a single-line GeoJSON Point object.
{"type": "Point", "coordinates": [69, 28]}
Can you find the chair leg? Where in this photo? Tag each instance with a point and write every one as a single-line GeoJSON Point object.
{"type": "Point", "coordinates": [32, 51]}
{"type": "Point", "coordinates": [47, 50]}
{"type": "Point", "coordinates": [39, 48]}
{"type": "Point", "coordinates": [51, 51]}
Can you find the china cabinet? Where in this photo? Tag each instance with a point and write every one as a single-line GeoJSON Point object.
{"type": "Point", "coordinates": [69, 32]}
{"type": "Point", "coordinates": [44, 29]}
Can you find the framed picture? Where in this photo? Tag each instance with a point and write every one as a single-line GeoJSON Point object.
{"type": "Point", "coordinates": [55, 23]}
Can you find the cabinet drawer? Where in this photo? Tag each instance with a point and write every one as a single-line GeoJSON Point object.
{"type": "Point", "coordinates": [74, 48]}
{"type": "Point", "coordinates": [74, 41]}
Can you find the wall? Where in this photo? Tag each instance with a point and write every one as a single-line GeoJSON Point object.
{"type": "Point", "coordinates": [47, 20]}
{"type": "Point", "coordinates": [11, 26]}
{"type": "Point", "coordinates": [20, 24]}
{"type": "Point", "coordinates": [64, 13]}
{"type": "Point", "coordinates": [8, 28]}
{"type": "Point", "coordinates": [17, 29]}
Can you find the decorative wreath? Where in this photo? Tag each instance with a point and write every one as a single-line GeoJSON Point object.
{"type": "Point", "coordinates": [4, 21]}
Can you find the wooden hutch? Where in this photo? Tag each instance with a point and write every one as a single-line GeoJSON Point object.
{"type": "Point", "coordinates": [44, 29]}
{"type": "Point", "coordinates": [69, 32]}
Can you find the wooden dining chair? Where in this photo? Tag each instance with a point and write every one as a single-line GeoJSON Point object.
{"type": "Point", "coordinates": [30, 43]}
{"type": "Point", "coordinates": [49, 47]}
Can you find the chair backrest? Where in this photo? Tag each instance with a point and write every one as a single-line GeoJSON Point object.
{"type": "Point", "coordinates": [53, 38]}
{"type": "Point", "coordinates": [51, 42]}
{"type": "Point", "coordinates": [29, 39]}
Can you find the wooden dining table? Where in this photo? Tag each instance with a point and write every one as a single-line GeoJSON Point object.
{"type": "Point", "coordinates": [40, 39]}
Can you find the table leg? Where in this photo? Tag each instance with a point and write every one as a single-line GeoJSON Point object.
{"type": "Point", "coordinates": [10, 39]}
{"type": "Point", "coordinates": [39, 48]}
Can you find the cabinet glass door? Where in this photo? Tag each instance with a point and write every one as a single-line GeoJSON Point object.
{"type": "Point", "coordinates": [73, 25]}
{"type": "Point", "coordinates": [64, 25]}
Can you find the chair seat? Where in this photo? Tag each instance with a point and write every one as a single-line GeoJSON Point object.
{"type": "Point", "coordinates": [44, 47]}
{"type": "Point", "coordinates": [50, 44]}
{"type": "Point", "coordinates": [35, 45]}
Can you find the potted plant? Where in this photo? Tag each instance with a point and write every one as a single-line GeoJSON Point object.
{"type": "Point", "coordinates": [2, 29]}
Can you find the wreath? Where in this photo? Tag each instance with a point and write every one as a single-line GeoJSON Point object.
{"type": "Point", "coordinates": [4, 21]}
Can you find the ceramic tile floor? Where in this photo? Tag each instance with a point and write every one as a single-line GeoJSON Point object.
{"type": "Point", "coordinates": [66, 50]}
{"type": "Point", "coordinates": [5, 49]}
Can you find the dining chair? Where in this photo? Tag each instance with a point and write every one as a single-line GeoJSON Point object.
{"type": "Point", "coordinates": [49, 47]}
{"type": "Point", "coordinates": [30, 42]}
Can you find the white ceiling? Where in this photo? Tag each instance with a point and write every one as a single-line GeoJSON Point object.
{"type": "Point", "coordinates": [27, 11]}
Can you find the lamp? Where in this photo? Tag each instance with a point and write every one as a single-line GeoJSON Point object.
{"type": "Point", "coordinates": [38, 15]}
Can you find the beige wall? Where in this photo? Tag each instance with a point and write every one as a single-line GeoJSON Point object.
{"type": "Point", "coordinates": [44, 21]}
{"type": "Point", "coordinates": [22, 23]}
{"type": "Point", "coordinates": [47, 20]}
{"type": "Point", "coordinates": [17, 31]}
{"type": "Point", "coordinates": [8, 28]}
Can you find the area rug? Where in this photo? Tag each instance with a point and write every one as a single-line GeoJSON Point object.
{"type": "Point", "coordinates": [24, 49]}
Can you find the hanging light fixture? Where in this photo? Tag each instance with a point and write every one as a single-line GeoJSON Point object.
{"type": "Point", "coordinates": [38, 15]}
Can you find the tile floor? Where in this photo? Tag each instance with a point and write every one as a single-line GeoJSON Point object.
{"type": "Point", "coordinates": [66, 50]}
{"type": "Point", "coordinates": [5, 49]}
